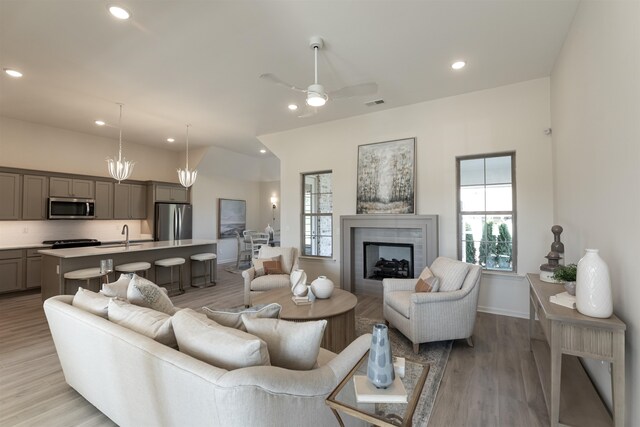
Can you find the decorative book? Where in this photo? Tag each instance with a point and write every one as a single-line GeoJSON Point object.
{"type": "Point", "coordinates": [564, 299]}
{"type": "Point", "coordinates": [368, 393]}
{"type": "Point", "coordinates": [300, 300]}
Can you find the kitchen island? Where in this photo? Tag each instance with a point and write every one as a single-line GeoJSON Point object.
{"type": "Point", "coordinates": [57, 262]}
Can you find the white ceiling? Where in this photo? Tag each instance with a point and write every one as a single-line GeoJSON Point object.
{"type": "Point", "coordinates": [198, 62]}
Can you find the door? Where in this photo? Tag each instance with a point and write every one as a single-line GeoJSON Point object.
{"type": "Point", "coordinates": [166, 222]}
{"type": "Point", "coordinates": [34, 197]}
{"type": "Point", "coordinates": [185, 227]}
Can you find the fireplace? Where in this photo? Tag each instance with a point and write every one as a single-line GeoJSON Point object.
{"type": "Point", "coordinates": [387, 260]}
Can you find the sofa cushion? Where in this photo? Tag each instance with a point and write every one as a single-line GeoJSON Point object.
{"type": "Point", "coordinates": [145, 293]}
{"type": "Point", "coordinates": [146, 321]}
{"type": "Point", "coordinates": [233, 317]}
{"type": "Point", "coordinates": [258, 265]}
{"type": "Point", "coordinates": [117, 289]}
{"type": "Point", "coordinates": [400, 301]}
{"type": "Point", "coordinates": [92, 302]}
{"type": "Point", "coordinates": [286, 254]}
{"type": "Point", "coordinates": [272, 281]}
{"type": "Point", "coordinates": [430, 284]}
{"type": "Point", "coordinates": [227, 348]}
{"type": "Point", "coordinates": [291, 345]}
{"type": "Point", "coordinates": [450, 272]}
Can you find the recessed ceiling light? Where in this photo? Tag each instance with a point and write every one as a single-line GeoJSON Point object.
{"type": "Point", "coordinates": [458, 65]}
{"type": "Point", "coordinates": [119, 12]}
{"type": "Point", "coordinates": [100, 122]}
{"type": "Point", "coordinates": [263, 151]}
{"type": "Point", "coordinates": [13, 73]}
{"type": "Point", "coordinates": [171, 140]}
{"type": "Point", "coordinates": [292, 107]}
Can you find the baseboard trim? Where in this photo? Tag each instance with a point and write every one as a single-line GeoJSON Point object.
{"type": "Point", "coordinates": [502, 312]}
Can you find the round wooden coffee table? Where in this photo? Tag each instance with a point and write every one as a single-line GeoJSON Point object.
{"type": "Point", "coordinates": [338, 311]}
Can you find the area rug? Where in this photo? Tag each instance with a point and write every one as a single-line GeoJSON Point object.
{"type": "Point", "coordinates": [436, 354]}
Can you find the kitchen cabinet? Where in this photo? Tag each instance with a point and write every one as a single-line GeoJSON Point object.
{"type": "Point", "coordinates": [35, 190]}
{"type": "Point", "coordinates": [71, 187]}
{"type": "Point", "coordinates": [130, 201]}
{"type": "Point", "coordinates": [33, 268]}
{"type": "Point", "coordinates": [104, 200]}
{"type": "Point", "coordinates": [10, 192]}
{"type": "Point", "coordinates": [171, 193]}
{"type": "Point", "coordinates": [11, 270]}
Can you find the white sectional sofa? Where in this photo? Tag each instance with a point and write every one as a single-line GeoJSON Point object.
{"type": "Point", "coordinates": [137, 381]}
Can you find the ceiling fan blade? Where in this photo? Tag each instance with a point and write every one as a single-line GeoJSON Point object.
{"type": "Point", "coordinates": [308, 112]}
{"type": "Point", "coordinates": [355, 90]}
{"type": "Point", "coordinates": [273, 79]}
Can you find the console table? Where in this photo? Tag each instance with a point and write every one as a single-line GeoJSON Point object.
{"type": "Point", "coordinates": [566, 335]}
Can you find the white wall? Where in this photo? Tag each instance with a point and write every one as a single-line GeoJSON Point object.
{"type": "Point", "coordinates": [595, 105]}
{"type": "Point", "coordinates": [506, 118]}
{"type": "Point", "coordinates": [229, 175]}
{"type": "Point", "coordinates": [32, 146]}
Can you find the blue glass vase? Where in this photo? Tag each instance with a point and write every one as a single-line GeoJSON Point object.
{"type": "Point", "coordinates": [380, 365]}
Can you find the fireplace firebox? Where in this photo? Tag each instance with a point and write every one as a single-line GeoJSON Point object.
{"type": "Point", "coordinates": [387, 260]}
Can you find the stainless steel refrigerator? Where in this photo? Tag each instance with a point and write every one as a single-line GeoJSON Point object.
{"type": "Point", "coordinates": [173, 221]}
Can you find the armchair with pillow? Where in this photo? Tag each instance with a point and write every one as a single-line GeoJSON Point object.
{"type": "Point", "coordinates": [439, 305]}
{"type": "Point", "coordinates": [270, 270]}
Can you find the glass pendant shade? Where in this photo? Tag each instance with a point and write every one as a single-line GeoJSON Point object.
{"type": "Point", "coordinates": [120, 168]}
{"type": "Point", "coordinates": [187, 176]}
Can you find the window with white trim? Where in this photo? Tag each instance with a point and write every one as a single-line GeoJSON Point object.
{"type": "Point", "coordinates": [487, 211]}
{"type": "Point", "coordinates": [317, 214]}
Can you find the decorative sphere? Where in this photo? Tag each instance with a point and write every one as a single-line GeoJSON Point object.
{"type": "Point", "coordinates": [322, 287]}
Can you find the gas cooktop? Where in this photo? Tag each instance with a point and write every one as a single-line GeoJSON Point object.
{"type": "Point", "coordinates": [72, 243]}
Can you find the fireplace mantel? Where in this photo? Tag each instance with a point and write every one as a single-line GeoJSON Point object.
{"type": "Point", "coordinates": [427, 224]}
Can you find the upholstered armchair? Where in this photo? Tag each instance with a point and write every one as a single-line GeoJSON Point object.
{"type": "Point", "coordinates": [435, 316]}
{"type": "Point", "coordinates": [254, 283]}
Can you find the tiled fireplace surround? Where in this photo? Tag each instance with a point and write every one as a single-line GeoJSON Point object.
{"type": "Point", "coordinates": [419, 230]}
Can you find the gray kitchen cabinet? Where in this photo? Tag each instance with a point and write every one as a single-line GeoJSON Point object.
{"type": "Point", "coordinates": [35, 190]}
{"type": "Point", "coordinates": [10, 192]}
{"type": "Point", "coordinates": [71, 187]}
{"type": "Point", "coordinates": [33, 269]}
{"type": "Point", "coordinates": [104, 200]}
{"type": "Point", "coordinates": [171, 193]}
{"type": "Point", "coordinates": [11, 270]}
{"type": "Point", "coordinates": [130, 201]}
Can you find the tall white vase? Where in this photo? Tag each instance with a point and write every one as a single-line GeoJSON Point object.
{"type": "Point", "coordinates": [593, 286]}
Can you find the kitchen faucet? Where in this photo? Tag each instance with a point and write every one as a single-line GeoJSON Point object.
{"type": "Point", "coordinates": [125, 229]}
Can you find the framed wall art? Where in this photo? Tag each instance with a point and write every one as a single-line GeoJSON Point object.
{"type": "Point", "coordinates": [386, 177]}
{"type": "Point", "coordinates": [232, 217]}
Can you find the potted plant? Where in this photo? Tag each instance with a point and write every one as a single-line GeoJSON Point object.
{"type": "Point", "coordinates": [567, 274]}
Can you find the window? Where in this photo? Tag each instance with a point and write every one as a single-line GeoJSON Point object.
{"type": "Point", "coordinates": [486, 211]}
{"type": "Point", "coordinates": [317, 214]}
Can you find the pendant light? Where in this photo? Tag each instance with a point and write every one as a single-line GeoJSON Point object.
{"type": "Point", "coordinates": [187, 177]}
{"type": "Point", "coordinates": [120, 168]}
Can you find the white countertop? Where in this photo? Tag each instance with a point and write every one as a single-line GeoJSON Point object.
{"type": "Point", "coordinates": [134, 247]}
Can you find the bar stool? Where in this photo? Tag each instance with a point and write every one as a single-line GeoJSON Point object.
{"type": "Point", "coordinates": [134, 267]}
{"type": "Point", "coordinates": [170, 263]}
{"type": "Point", "coordinates": [205, 258]}
{"type": "Point", "coordinates": [85, 274]}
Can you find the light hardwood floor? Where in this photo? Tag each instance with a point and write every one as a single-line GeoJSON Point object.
{"type": "Point", "coordinates": [493, 384]}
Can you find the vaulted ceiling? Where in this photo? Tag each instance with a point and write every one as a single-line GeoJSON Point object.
{"type": "Point", "coordinates": [199, 62]}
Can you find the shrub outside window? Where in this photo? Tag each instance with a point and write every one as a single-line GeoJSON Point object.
{"type": "Point", "coordinates": [487, 211]}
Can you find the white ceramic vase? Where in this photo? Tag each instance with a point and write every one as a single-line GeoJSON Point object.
{"type": "Point", "coordinates": [322, 287]}
{"type": "Point", "coordinates": [298, 279]}
{"type": "Point", "coordinates": [593, 286]}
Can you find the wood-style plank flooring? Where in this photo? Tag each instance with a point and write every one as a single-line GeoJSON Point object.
{"type": "Point", "coordinates": [493, 384]}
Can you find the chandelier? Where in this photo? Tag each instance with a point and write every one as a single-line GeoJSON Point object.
{"type": "Point", "coordinates": [120, 168]}
{"type": "Point", "coordinates": [187, 177]}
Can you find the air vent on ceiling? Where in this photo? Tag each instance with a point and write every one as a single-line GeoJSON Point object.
{"type": "Point", "coordinates": [376, 102]}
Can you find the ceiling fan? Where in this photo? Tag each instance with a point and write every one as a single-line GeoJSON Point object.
{"type": "Point", "coordinates": [317, 96]}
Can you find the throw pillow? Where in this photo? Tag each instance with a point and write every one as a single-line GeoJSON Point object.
{"type": "Point", "coordinates": [292, 345]}
{"type": "Point", "coordinates": [117, 289]}
{"type": "Point", "coordinates": [148, 322]}
{"type": "Point", "coordinates": [233, 317]}
{"type": "Point", "coordinates": [145, 293]}
{"type": "Point", "coordinates": [426, 273]}
{"type": "Point", "coordinates": [450, 272]}
{"type": "Point", "coordinates": [258, 265]}
{"type": "Point", "coordinates": [217, 345]}
{"type": "Point", "coordinates": [92, 302]}
{"type": "Point", "coordinates": [431, 284]}
{"type": "Point", "coordinates": [272, 267]}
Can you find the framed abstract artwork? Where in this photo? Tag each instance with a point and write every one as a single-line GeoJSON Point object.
{"type": "Point", "coordinates": [232, 217]}
{"type": "Point", "coordinates": [386, 177]}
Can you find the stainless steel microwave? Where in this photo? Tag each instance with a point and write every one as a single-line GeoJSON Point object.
{"type": "Point", "coordinates": [67, 208]}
